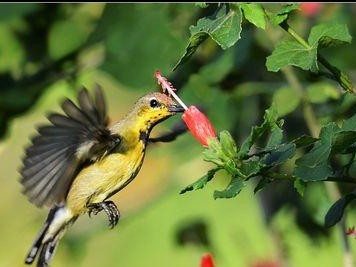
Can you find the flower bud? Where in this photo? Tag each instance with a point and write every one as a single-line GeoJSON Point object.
{"type": "Point", "coordinates": [207, 261]}
{"type": "Point", "coordinates": [199, 125]}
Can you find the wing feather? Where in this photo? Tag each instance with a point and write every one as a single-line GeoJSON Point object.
{"type": "Point", "coordinates": [51, 163]}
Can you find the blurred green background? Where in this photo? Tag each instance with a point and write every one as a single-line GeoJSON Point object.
{"type": "Point", "coordinates": [48, 51]}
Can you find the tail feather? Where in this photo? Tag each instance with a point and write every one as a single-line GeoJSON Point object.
{"type": "Point", "coordinates": [38, 241]}
{"type": "Point", "coordinates": [47, 253]}
{"type": "Point", "coordinates": [56, 223]}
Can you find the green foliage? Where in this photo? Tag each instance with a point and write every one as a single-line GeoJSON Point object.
{"type": "Point", "coordinates": [201, 182]}
{"type": "Point", "coordinates": [314, 165]}
{"type": "Point", "coordinates": [336, 211]}
{"type": "Point", "coordinates": [281, 15]}
{"type": "Point", "coordinates": [328, 35]}
{"type": "Point", "coordinates": [305, 55]}
{"type": "Point", "coordinates": [238, 162]}
{"type": "Point", "coordinates": [291, 53]}
{"type": "Point", "coordinates": [254, 13]}
{"type": "Point", "coordinates": [232, 190]}
{"type": "Point", "coordinates": [224, 28]}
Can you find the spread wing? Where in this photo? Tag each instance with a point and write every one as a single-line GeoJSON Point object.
{"type": "Point", "coordinates": [61, 149]}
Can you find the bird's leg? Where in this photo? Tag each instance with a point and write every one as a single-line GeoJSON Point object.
{"type": "Point", "coordinates": [110, 209]}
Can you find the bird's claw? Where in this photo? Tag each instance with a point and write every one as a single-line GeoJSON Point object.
{"type": "Point", "coordinates": [110, 209]}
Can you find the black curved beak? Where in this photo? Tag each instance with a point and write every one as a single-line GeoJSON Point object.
{"type": "Point", "coordinates": [175, 108]}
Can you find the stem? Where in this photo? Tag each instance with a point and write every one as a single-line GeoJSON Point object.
{"type": "Point", "coordinates": [341, 77]}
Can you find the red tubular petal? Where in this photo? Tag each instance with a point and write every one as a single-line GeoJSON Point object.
{"type": "Point", "coordinates": [207, 261]}
{"type": "Point", "coordinates": [199, 125]}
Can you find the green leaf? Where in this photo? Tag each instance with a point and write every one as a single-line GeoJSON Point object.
{"type": "Point", "coordinates": [194, 42]}
{"type": "Point", "coordinates": [291, 53]}
{"type": "Point", "coordinates": [296, 54]}
{"type": "Point", "coordinates": [329, 34]}
{"type": "Point", "coordinates": [228, 144]}
{"type": "Point", "coordinates": [199, 184]}
{"type": "Point", "coordinates": [286, 100]}
{"type": "Point", "coordinates": [336, 211]}
{"type": "Point", "coordinates": [300, 186]}
{"type": "Point", "coordinates": [304, 141]}
{"type": "Point", "coordinates": [269, 124]}
{"type": "Point", "coordinates": [321, 92]}
{"type": "Point", "coordinates": [251, 168]}
{"type": "Point", "coordinates": [346, 136]}
{"type": "Point", "coordinates": [314, 165]}
{"type": "Point", "coordinates": [255, 14]}
{"type": "Point", "coordinates": [343, 140]}
{"type": "Point", "coordinates": [279, 155]}
{"type": "Point", "coordinates": [224, 29]}
{"type": "Point", "coordinates": [280, 16]}
{"type": "Point", "coordinates": [233, 189]}
{"type": "Point", "coordinates": [275, 139]}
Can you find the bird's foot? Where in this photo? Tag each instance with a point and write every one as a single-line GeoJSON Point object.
{"type": "Point", "coordinates": [110, 209]}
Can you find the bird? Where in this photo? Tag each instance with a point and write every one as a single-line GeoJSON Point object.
{"type": "Point", "coordinates": [76, 162]}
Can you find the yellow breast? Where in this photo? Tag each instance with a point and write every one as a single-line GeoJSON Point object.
{"type": "Point", "coordinates": [99, 180]}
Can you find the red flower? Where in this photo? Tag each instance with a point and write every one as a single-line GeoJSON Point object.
{"type": "Point", "coordinates": [207, 261]}
{"type": "Point", "coordinates": [199, 125]}
{"type": "Point", "coordinates": [311, 9]}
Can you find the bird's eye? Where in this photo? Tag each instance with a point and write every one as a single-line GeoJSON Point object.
{"type": "Point", "coordinates": [153, 103]}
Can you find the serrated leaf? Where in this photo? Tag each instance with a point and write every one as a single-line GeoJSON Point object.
{"type": "Point", "coordinates": [291, 53]}
{"type": "Point", "coordinates": [321, 92]}
{"type": "Point", "coordinates": [296, 54]}
{"type": "Point", "coordinates": [224, 29]}
{"type": "Point", "coordinates": [336, 211]}
{"type": "Point", "coordinates": [280, 16]}
{"type": "Point", "coordinates": [269, 124]}
{"type": "Point", "coordinates": [233, 189]}
{"type": "Point", "coordinates": [300, 186]}
{"type": "Point", "coordinates": [314, 165]}
{"type": "Point", "coordinates": [254, 13]}
{"type": "Point", "coordinates": [329, 34]}
{"type": "Point", "coordinates": [199, 184]}
{"type": "Point", "coordinates": [286, 100]}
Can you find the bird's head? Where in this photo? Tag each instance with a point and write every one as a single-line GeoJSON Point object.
{"type": "Point", "coordinates": [152, 109]}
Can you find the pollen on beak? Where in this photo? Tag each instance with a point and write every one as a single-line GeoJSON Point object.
{"type": "Point", "coordinates": [174, 108]}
